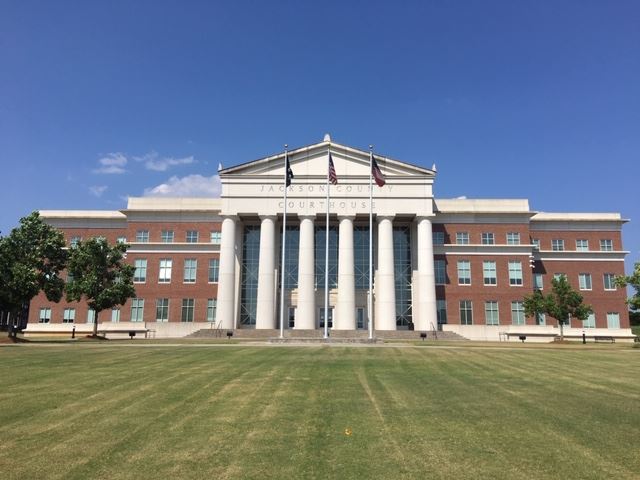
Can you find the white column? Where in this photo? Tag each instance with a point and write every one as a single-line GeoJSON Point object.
{"type": "Point", "coordinates": [227, 274]}
{"type": "Point", "coordinates": [306, 308]}
{"type": "Point", "coordinates": [345, 318]}
{"type": "Point", "coordinates": [427, 317]}
{"type": "Point", "coordinates": [385, 289]}
{"type": "Point", "coordinates": [265, 315]}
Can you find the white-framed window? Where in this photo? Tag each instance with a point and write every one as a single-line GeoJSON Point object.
{"type": "Point", "coordinates": [487, 238]}
{"type": "Point", "coordinates": [438, 238]}
{"type": "Point", "coordinates": [606, 245]}
{"type": "Point", "coordinates": [466, 312]}
{"type": "Point", "coordinates": [535, 242]}
{"type": "Point", "coordinates": [513, 238]}
{"type": "Point", "coordinates": [491, 314]}
{"type": "Point", "coordinates": [584, 281]}
{"type": "Point", "coordinates": [75, 240]}
{"type": "Point", "coordinates": [582, 245]}
{"type": "Point", "coordinates": [558, 276]}
{"type": "Point", "coordinates": [609, 281]}
{"type": "Point", "coordinates": [211, 309]}
{"type": "Point", "coordinates": [142, 236]}
{"type": "Point", "coordinates": [590, 322]}
{"type": "Point", "coordinates": [557, 245]}
{"type": "Point", "coordinates": [91, 316]}
{"type": "Point", "coordinates": [517, 313]}
{"type": "Point", "coordinates": [192, 236]}
{"type": "Point", "coordinates": [162, 309]}
{"type": "Point", "coordinates": [613, 320]}
{"type": "Point", "coordinates": [188, 307]}
{"type": "Point", "coordinates": [214, 270]}
{"type": "Point", "coordinates": [541, 318]}
{"type": "Point", "coordinates": [216, 237]}
{"type": "Point", "coordinates": [441, 311]}
{"type": "Point", "coordinates": [45, 315]}
{"type": "Point", "coordinates": [515, 273]}
{"type": "Point", "coordinates": [190, 268]}
{"type": "Point", "coordinates": [69, 315]}
{"type": "Point", "coordinates": [137, 309]}
{"type": "Point", "coordinates": [464, 272]}
{"type": "Point", "coordinates": [121, 240]}
{"type": "Point", "coordinates": [167, 236]}
{"type": "Point", "coordinates": [115, 315]}
{"type": "Point", "coordinates": [538, 282]}
{"type": "Point", "coordinates": [440, 271]}
{"type": "Point", "coordinates": [489, 272]}
{"type": "Point", "coordinates": [164, 275]}
{"type": "Point", "coordinates": [462, 238]}
{"type": "Point", "coordinates": [140, 274]}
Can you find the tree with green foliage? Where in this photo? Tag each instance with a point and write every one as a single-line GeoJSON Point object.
{"type": "Point", "coordinates": [632, 280]}
{"type": "Point", "coordinates": [31, 259]}
{"type": "Point", "coordinates": [98, 273]}
{"type": "Point", "coordinates": [562, 303]}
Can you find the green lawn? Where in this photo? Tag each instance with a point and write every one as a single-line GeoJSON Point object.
{"type": "Point", "coordinates": [192, 411]}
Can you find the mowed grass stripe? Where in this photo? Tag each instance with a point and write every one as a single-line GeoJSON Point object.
{"type": "Point", "coordinates": [282, 412]}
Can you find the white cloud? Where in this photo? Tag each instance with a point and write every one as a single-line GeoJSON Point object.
{"type": "Point", "coordinates": [98, 190]}
{"type": "Point", "coordinates": [152, 161]}
{"type": "Point", "coordinates": [112, 163]}
{"type": "Point", "coordinates": [189, 186]}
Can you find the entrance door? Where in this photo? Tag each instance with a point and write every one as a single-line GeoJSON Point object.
{"type": "Point", "coordinates": [321, 317]}
{"type": "Point", "coordinates": [360, 323]}
{"type": "Point", "coordinates": [292, 316]}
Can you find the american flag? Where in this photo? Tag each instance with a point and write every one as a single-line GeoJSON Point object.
{"type": "Point", "coordinates": [377, 174]}
{"type": "Point", "coordinates": [288, 168]}
{"type": "Point", "coordinates": [333, 178]}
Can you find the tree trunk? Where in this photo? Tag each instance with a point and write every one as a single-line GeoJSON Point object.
{"type": "Point", "coordinates": [95, 324]}
{"type": "Point", "coordinates": [561, 330]}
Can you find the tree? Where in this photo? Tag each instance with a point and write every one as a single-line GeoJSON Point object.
{"type": "Point", "coordinates": [634, 281]}
{"type": "Point", "coordinates": [562, 303]}
{"type": "Point", "coordinates": [97, 272]}
{"type": "Point", "coordinates": [31, 259]}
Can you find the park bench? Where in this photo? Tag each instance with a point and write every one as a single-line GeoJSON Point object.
{"type": "Point", "coordinates": [603, 338]}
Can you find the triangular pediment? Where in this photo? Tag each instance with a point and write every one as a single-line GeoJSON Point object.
{"type": "Point", "coordinates": [312, 162]}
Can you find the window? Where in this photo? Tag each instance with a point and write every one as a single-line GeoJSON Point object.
{"type": "Point", "coordinates": [536, 243]}
{"type": "Point", "coordinates": [462, 238]}
{"type": "Point", "coordinates": [590, 322]}
{"type": "Point", "coordinates": [606, 245]}
{"type": "Point", "coordinates": [359, 317]}
{"type": "Point", "coordinates": [464, 272]}
{"type": "Point", "coordinates": [121, 240]}
{"type": "Point", "coordinates": [142, 236]}
{"type": "Point", "coordinates": [517, 313]}
{"type": "Point", "coordinates": [165, 270]}
{"type": "Point", "coordinates": [190, 267]}
{"type": "Point", "coordinates": [74, 241]}
{"type": "Point", "coordinates": [115, 315]}
{"type": "Point", "coordinates": [541, 318]}
{"type": "Point", "coordinates": [613, 320]}
{"type": "Point", "coordinates": [584, 281]}
{"type": "Point", "coordinates": [69, 315]}
{"type": "Point", "coordinates": [45, 315]}
{"type": "Point", "coordinates": [438, 238]}
{"type": "Point", "coordinates": [166, 236]}
{"type": "Point", "coordinates": [609, 281]}
{"type": "Point", "coordinates": [137, 309]}
{"type": "Point", "coordinates": [91, 316]}
{"type": "Point", "coordinates": [140, 275]}
{"type": "Point", "coordinates": [188, 305]}
{"type": "Point", "coordinates": [582, 245]}
{"type": "Point", "coordinates": [162, 310]}
{"type": "Point", "coordinates": [216, 237]}
{"type": "Point", "coordinates": [440, 271]}
{"type": "Point", "coordinates": [557, 245]}
{"type": "Point", "coordinates": [515, 273]}
{"type": "Point", "coordinates": [441, 311]}
{"type": "Point", "coordinates": [491, 313]}
{"type": "Point", "coordinates": [466, 312]}
{"type": "Point", "coordinates": [537, 281]}
{"type": "Point", "coordinates": [211, 310]}
{"type": "Point", "coordinates": [214, 270]}
{"type": "Point", "coordinates": [488, 239]}
{"type": "Point", "coordinates": [513, 238]}
{"type": "Point", "coordinates": [489, 273]}
{"type": "Point", "coordinates": [192, 236]}
{"type": "Point", "coordinates": [558, 276]}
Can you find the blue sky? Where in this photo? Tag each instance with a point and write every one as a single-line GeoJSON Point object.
{"type": "Point", "coordinates": [511, 99]}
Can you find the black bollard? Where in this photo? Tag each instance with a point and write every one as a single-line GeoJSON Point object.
{"type": "Point", "coordinates": [584, 339]}
{"type": "Point", "coordinates": [73, 332]}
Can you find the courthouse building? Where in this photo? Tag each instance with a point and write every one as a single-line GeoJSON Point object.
{"type": "Point", "coordinates": [461, 265]}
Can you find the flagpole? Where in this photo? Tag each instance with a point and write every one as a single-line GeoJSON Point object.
{"type": "Point", "coordinates": [326, 254]}
{"type": "Point", "coordinates": [370, 306]}
{"type": "Point", "coordinates": [284, 241]}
